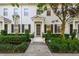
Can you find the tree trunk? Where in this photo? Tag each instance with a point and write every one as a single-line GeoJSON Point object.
{"type": "Point", "coordinates": [63, 21]}
{"type": "Point", "coordinates": [62, 29]}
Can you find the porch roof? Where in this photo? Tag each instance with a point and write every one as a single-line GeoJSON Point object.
{"type": "Point", "coordinates": [6, 20]}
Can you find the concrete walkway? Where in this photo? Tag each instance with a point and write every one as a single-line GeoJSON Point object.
{"type": "Point", "coordinates": [38, 48]}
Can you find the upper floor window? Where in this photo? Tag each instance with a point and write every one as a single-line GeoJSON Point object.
{"type": "Point", "coordinates": [38, 12]}
{"type": "Point", "coordinates": [15, 11]}
{"type": "Point", "coordinates": [5, 12]}
{"type": "Point", "coordinates": [25, 12]}
{"type": "Point", "coordinates": [48, 12]}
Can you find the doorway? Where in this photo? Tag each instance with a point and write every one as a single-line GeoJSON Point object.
{"type": "Point", "coordinates": [38, 30]}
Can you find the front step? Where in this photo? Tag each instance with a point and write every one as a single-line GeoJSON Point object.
{"type": "Point", "coordinates": [38, 39]}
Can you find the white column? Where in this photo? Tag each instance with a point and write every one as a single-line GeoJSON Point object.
{"type": "Point", "coordinates": [42, 28]}
{"type": "Point", "coordinates": [35, 30]}
{"type": "Point", "coordinates": [74, 25]}
{"type": "Point", "coordinates": [9, 28]}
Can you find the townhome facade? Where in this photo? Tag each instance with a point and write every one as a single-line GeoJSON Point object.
{"type": "Point", "coordinates": [28, 19]}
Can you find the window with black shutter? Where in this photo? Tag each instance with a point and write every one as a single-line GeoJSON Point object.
{"type": "Point", "coordinates": [19, 27]}
{"type": "Point", "coordinates": [44, 28]}
{"type": "Point", "coordinates": [22, 28]}
{"type": "Point", "coordinates": [55, 28]}
{"type": "Point", "coordinates": [71, 28]}
{"type": "Point", "coordinates": [12, 28]}
{"type": "Point", "coordinates": [29, 27]}
{"type": "Point", "coordinates": [52, 28]}
{"type": "Point", "coordinates": [6, 27]}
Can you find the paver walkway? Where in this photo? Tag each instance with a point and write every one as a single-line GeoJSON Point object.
{"type": "Point", "coordinates": [38, 48]}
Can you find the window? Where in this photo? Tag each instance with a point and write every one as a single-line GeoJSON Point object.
{"type": "Point", "coordinates": [22, 28]}
{"type": "Point", "coordinates": [44, 28]}
{"type": "Point", "coordinates": [71, 28]}
{"type": "Point", "coordinates": [48, 13]}
{"type": "Point", "coordinates": [12, 28]}
{"type": "Point", "coordinates": [52, 28]}
{"type": "Point", "coordinates": [15, 11]}
{"type": "Point", "coordinates": [29, 28]}
{"type": "Point", "coordinates": [5, 12]}
{"type": "Point", "coordinates": [38, 12]}
{"type": "Point", "coordinates": [6, 27]}
{"type": "Point", "coordinates": [25, 12]}
{"type": "Point", "coordinates": [19, 28]}
{"type": "Point", "coordinates": [57, 28]}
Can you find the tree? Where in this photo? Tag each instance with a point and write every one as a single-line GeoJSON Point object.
{"type": "Point", "coordinates": [64, 12]}
{"type": "Point", "coordinates": [15, 4]}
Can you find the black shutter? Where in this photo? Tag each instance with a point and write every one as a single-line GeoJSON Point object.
{"type": "Point", "coordinates": [78, 28]}
{"type": "Point", "coordinates": [12, 28]}
{"type": "Point", "coordinates": [44, 28]}
{"type": "Point", "coordinates": [22, 27]}
{"type": "Point", "coordinates": [55, 28]}
{"type": "Point", "coordinates": [52, 28]}
{"type": "Point", "coordinates": [19, 27]}
{"type": "Point", "coordinates": [6, 27]}
{"type": "Point", "coordinates": [71, 28]}
{"type": "Point", "coordinates": [29, 28]}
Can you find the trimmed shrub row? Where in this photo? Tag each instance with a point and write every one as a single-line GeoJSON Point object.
{"type": "Point", "coordinates": [14, 43]}
{"type": "Point", "coordinates": [13, 39]}
{"type": "Point", "coordinates": [10, 48]}
{"type": "Point", "coordinates": [59, 45]}
{"type": "Point", "coordinates": [63, 45]}
{"type": "Point", "coordinates": [50, 35]}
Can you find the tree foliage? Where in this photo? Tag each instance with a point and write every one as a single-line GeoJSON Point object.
{"type": "Point", "coordinates": [15, 4]}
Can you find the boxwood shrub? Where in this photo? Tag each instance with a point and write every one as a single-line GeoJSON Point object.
{"type": "Point", "coordinates": [58, 44]}
{"type": "Point", "coordinates": [45, 35]}
{"type": "Point", "coordinates": [21, 48]}
{"type": "Point", "coordinates": [13, 39]}
{"type": "Point", "coordinates": [11, 48]}
{"type": "Point", "coordinates": [3, 32]}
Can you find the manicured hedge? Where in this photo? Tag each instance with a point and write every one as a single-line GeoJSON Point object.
{"type": "Point", "coordinates": [50, 35]}
{"type": "Point", "coordinates": [59, 45]}
{"type": "Point", "coordinates": [14, 43]}
{"type": "Point", "coordinates": [3, 32]}
{"type": "Point", "coordinates": [10, 48]}
{"type": "Point", "coordinates": [13, 39]}
{"type": "Point", "coordinates": [21, 48]}
{"type": "Point", "coordinates": [63, 45]}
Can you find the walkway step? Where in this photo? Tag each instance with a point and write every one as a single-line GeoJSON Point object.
{"type": "Point", "coordinates": [38, 39]}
